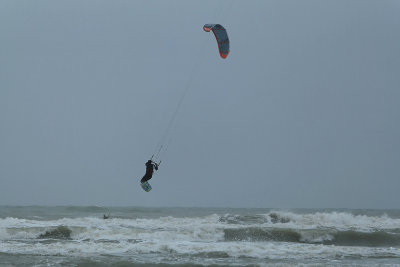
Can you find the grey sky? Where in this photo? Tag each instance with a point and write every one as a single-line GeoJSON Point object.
{"type": "Point", "coordinates": [303, 113]}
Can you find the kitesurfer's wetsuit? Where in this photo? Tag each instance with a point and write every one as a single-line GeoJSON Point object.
{"type": "Point", "coordinates": [149, 171]}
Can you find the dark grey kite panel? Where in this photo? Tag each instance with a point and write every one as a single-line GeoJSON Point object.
{"type": "Point", "coordinates": [222, 38]}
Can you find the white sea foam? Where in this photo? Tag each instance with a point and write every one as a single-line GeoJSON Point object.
{"type": "Point", "coordinates": [265, 250]}
{"type": "Point", "coordinates": [168, 228]}
{"type": "Point", "coordinates": [179, 237]}
{"type": "Point", "coordinates": [337, 220]}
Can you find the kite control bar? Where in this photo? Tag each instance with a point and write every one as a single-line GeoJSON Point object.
{"type": "Point", "coordinates": [157, 164]}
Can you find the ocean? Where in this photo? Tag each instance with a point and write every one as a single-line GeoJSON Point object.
{"type": "Point", "coordinates": [141, 236]}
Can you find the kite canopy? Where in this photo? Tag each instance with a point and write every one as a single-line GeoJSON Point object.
{"type": "Point", "coordinates": [222, 38]}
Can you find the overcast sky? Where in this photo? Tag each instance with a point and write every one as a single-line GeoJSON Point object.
{"type": "Point", "coordinates": [305, 111]}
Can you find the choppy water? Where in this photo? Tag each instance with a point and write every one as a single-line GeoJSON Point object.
{"type": "Point", "coordinates": [134, 236]}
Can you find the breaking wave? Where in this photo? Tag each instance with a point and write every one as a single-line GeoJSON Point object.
{"type": "Point", "coordinates": [228, 237]}
{"type": "Point", "coordinates": [337, 220]}
{"type": "Point", "coordinates": [314, 236]}
{"type": "Point", "coordinates": [60, 232]}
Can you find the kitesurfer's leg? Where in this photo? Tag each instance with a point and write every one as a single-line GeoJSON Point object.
{"type": "Point", "coordinates": [145, 178]}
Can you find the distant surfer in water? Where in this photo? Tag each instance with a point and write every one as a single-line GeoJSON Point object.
{"type": "Point", "coordinates": [150, 166]}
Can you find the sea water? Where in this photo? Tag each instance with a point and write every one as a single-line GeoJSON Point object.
{"type": "Point", "coordinates": [139, 236]}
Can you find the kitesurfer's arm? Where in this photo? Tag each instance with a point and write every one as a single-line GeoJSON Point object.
{"type": "Point", "coordinates": [155, 165]}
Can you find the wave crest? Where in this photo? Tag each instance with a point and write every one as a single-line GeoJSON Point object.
{"type": "Point", "coordinates": [314, 236]}
{"type": "Point", "coordinates": [60, 232]}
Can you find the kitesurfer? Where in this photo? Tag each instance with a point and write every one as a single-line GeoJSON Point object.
{"type": "Point", "coordinates": [150, 166]}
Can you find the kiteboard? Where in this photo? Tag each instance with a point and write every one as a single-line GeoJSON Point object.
{"type": "Point", "coordinates": [146, 186]}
